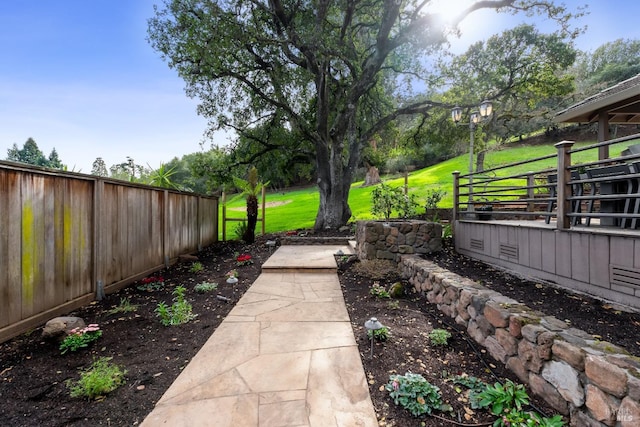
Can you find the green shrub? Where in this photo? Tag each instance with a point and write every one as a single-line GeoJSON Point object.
{"type": "Point", "coordinates": [125, 306]}
{"type": "Point", "coordinates": [385, 200]}
{"type": "Point", "coordinates": [80, 338]}
{"type": "Point", "coordinates": [205, 287]}
{"type": "Point", "coordinates": [439, 337]}
{"type": "Point", "coordinates": [380, 335]}
{"type": "Point", "coordinates": [180, 311]}
{"type": "Point", "coordinates": [196, 267]}
{"type": "Point", "coordinates": [414, 393]}
{"type": "Point", "coordinates": [99, 379]}
{"type": "Point", "coordinates": [378, 291]}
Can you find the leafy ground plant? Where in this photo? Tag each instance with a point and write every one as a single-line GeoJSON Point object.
{"type": "Point", "coordinates": [379, 291]}
{"type": "Point", "coordinates": [125, 306]}
{"type": "Point", "coordinates": [80, 338]}
{"type": "Point", "coordinates": [196, 267]}
{"type": "Point", "coordinates": [151, 283]}
{"type": "Point", "coordinates": [97, 380]}
{"type": "Point", "coordinates": [414, 393]}
{"type": "Point", "coordinates": [439, 337]}
{"type": "Point", "coordinates": [180, 312]}
{"type": "Point", "coordinates": [380, 335]}
{"type": "Point", "coordinates": [205, 287]}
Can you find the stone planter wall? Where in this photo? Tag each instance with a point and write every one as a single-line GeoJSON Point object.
{"type": "Point", "coordinates": [391, 240]}
{"type": "Point", "coordinates": [595, 383]}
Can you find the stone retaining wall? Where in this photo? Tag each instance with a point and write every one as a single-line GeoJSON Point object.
{"type": "Point", "coordinates": [392, 239]}
{"type": "Point", "coordinates": [595, 383]}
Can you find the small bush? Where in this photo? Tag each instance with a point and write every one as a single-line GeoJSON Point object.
{"type": "Point", "coordinates": [205, 287]}
{"type": "Point", "coordinates": [150, 284]}
{"type": "Point", "coordinates": [385, 200]}
{"type": "Point", "coordinates": [378, 291]}
{"type": "Point", "coordinates": [80, 338]}
{"type": "Point", "coordinates": [196, 267]}
{"type": "Point", "coordinates": [241, 229]}
{"type": "Point", "coordinates": [99, 379]}
{"type": "Point", "coordinates": [414, 393]}
{"type": "Point", "coordinates": [180, 311]}
{"type": "Point", "coordinates": [379, 335]}
{"type": "Point", "coordinates": [125, 306]}
{"type": "Point", "coordinates": [439, 337]}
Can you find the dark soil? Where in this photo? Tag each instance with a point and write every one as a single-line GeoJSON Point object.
{"type": "Point", "coordinates": [33, 372]}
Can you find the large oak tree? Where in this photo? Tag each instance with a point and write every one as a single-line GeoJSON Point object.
{"type": "Point", "coordinates": [322, 68]}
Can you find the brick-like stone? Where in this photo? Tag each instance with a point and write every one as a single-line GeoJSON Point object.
{"type": "Point", "coordinates": [530, 332]}
{"type": "Point", "coordinates": [529, 356]}
{"type": "Point", "coordinates": [484, 325]}
{"type": "Point", "coordinates": [548, 392]}
{"type": "Point", "coordinates": [600, 405]}
{"type": "Point", "coordinates": [545, 341]}
{"type": "Point", "coordinates": [606, 376]}
{"type": "Point", "coordinates": [633, 387]}
{"type": "Point", "coordinates": [516, 366]}
{"type": "Point", "coordinates": [566, 380]}
{"type": "Point", "coordinates": [580, 419]}
{"type": "Point", "coordinates": [515, 325]}
{"type": "Point", "coordinates": [569, 353]}
{"type": "Point", "coordinates": [495, 349]}
{"type": "Point", "coordinates": [507, 341]}
{"type": "Point", "coordinates": [475, 332]}
{"type": "Point", "coordinates": [629, 412]}
{"type": "Point", "coordinates": [496, 315]}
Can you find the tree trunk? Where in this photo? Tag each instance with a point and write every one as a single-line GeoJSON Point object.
{"type": "Point", "coordinates": [372, 177]}
{"type": "Point", "coordinates": [334, 183]}
{"type": "Point", "coordinates": [480, 161]}
{"type": "Point", "coordinates": [249, 235]}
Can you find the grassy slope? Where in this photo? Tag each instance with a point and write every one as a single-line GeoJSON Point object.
{"type": "Point", "coordinates": [300, 206]}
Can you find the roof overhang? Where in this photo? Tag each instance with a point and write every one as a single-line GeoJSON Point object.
{"type": "Point", "coordinates": [621, 103]}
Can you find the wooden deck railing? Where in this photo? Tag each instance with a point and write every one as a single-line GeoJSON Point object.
{"type": "Point", "coordinates": [558, 187]}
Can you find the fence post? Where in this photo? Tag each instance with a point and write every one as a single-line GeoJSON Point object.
{"type": "Point", "coordinates": [264, 196]}
{"type": "Point", "coordinates": [564, 189]}
{"type": "Point", "coordinates": [224, 216]}
{"type": "Point", "coordinates": [456, 199]}
{"type": "Point", "coordinates": [531, 181]}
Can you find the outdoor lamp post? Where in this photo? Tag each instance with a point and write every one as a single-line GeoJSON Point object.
{"type": "Point", "coordinates": [372, 325]}
{"type": "Point", "coordinates": [486, 108]}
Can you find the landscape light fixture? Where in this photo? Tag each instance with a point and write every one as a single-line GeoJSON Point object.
{"type": "Point", "coordinates": [486, 109]}
{"type": "Point", "coordinates": [372, 325]}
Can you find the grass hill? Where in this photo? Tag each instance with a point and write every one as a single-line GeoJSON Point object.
{"type": "Point", "coordinates": [296, 209]}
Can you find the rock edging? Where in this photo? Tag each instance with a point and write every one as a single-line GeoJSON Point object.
{"type": "Point", "coordinates": [593, 382]}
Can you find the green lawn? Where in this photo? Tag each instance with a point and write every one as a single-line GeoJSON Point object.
{"type": "Point", "coordinates": [297, 209]}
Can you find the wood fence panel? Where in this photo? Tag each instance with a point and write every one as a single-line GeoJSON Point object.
{"type": "Point", "coordinates": [10, 248]}
{"type": "Point", "coordinates": [61, 234]}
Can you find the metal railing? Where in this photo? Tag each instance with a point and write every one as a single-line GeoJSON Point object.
{"type": "Point", "coordinates": [571, 186]}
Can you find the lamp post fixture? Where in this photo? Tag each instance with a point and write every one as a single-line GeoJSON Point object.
{"type": "Point", "coordinates": [372, 325]}
{"type": "Point", "coordinates": [486, 108]}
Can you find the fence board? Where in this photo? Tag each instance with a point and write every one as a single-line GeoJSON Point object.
{"type": "Point", "coordinates": [62, 233]}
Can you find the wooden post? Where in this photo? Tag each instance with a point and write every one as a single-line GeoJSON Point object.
{"type": "Point", "coordinates": [224, 217]}
{"type": "Point", "coordinates": [406, 183]}
{"type": "Point", "coordinates": [564, 188]}
{"type": "Point", "coordinates": [456, 199]}
{"type": "Point", "coordinates": [603, 134]}
{"type": "Point", "coordinates": [531, 181]}
{"type": "Point", "coordinates": [264, 196]}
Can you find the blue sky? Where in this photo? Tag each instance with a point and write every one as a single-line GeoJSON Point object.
{"type": "Point", "coordinates": [79, 75]}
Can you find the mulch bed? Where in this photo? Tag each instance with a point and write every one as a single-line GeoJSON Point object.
{"type": "Point", "coordinates": [33, 372]}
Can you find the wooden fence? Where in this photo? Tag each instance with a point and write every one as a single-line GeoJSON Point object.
{"type": "Point", "coordinates": [67, 237]}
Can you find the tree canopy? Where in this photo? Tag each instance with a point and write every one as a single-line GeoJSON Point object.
{"type": "Point", "coordinates": [31, 154]}
{"type": "Point", "coordinates": [333, 72]}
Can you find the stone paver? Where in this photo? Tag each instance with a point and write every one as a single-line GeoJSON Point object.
{"type": "Point", "coordinates": [285, 355]}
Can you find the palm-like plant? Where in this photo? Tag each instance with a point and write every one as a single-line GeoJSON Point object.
{"type": "Point", "coordinates": [250, 189]}
{"type": "Point", "coordinates": [161, 177]}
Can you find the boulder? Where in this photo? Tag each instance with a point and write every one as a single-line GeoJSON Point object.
{"type": "Point", "coordinates": [59, 326]}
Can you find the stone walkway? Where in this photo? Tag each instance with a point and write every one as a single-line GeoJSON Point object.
{"type": "Point", "coordinates": [284, 356]}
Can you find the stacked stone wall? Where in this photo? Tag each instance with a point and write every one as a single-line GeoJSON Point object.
{"type": "Point", "coordinates": [391, 240]}
{"type": "Point", "coordinates": [592, 382]}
